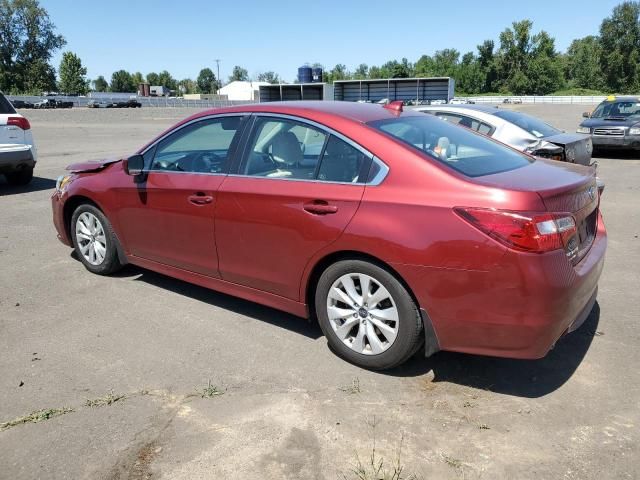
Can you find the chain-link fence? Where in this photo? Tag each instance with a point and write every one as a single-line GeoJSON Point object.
{"type": "Point", "coordinates": [163, 102]}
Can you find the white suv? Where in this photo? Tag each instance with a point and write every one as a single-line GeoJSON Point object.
{"type": "Point", "coordinates": [17, 151]}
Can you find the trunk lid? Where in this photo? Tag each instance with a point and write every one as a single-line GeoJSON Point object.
{"type": "Point", "coordinates": [577, 147]}
{"type": "Point", "coordinates": [10, 134]}
{"type": "Point", "coordinates": [563, 188]}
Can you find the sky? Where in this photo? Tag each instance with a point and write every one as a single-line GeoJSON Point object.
{"type": "Point", "coordinates": [281, 35]}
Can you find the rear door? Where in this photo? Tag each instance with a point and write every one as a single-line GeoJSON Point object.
{"type": "Point", "coordinates": [295, 190]}
{"type": "Point", "coordinates": [168, 218]}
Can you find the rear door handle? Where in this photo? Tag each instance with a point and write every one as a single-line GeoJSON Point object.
{"type": "Point", "coordinates": [320, 207]}
{"type": "Point", "coordinates": [200, 199]}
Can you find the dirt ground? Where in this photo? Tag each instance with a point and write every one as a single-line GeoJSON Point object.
{"type": "Point", "coordinates": [216, 387]}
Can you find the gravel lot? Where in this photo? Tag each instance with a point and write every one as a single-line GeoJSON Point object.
{"type": "Point", "coordinates": [288, 407]}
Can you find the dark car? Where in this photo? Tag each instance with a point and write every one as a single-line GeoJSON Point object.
{"type": "Point", "coordinates": [518, 130]}
{"type": "Point", "coordinates": [392, 228]}
{"type": "Point", "coordinates": [615, 123]}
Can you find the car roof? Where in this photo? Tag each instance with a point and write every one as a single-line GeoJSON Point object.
{"type": "Point", "coordinates": [357, 112]}
{"type": "Point", "coordinates": [622, 98]}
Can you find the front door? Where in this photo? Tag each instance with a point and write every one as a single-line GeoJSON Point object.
{"type": "Point", "coordinates": [293, 194]}
{"type": "Point", "coordinates": [169, 217]}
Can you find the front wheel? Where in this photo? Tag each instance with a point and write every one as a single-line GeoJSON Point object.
{"type": "Point", "coordinates": [367, 315]}
{"type": "Point", "coordinates": [94, 241]}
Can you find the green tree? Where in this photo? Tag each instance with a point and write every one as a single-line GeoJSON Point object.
{"type": "Point", "coordinates": [620, 48]}
{"type": "Point", "coordinates": [487, 64]}
{"type": "Point", "coordinates": [207, 81]}
{"type": "Point", "coordinates": [270, 77]}
{"type": "Point", "coordinates": [166, 80]}
{"type": "Point", "coordinates": [187, 86]}
{"type": "Point", "coordinates": [424, 66]}
{"type": "Point", "coordinates": [339, 72]}
{"type": "Point", "coordinates": [100, 84]}
{"type": "Point", "coordinates": [121, 81]}
{"type": "Point", "coordinates": [583, 63]}
{"type": "Point", "coordinates": [469, 78]}
{"type": "Point", "coordinates": [153, 79]}
{"type": "Point", "coordinates": [375, 72]}
{"type": "Point", "coordinates": [73, 78]}
{"type": "Point", "coordinates": [239, 74]}
{"type": "Point", "coordinates": [361, 72]}
{"type": "Point", "coordinates": [27, 42]}
{"type": "Point", "coordinates": [137, 78]}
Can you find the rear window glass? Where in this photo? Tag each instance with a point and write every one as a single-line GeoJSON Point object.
{"type": "Point", "coordinates": [466, 152]}
{"type": "Point", "coordinates": [5, 105]}
{"type": "Point", "coordinates": [534, 126]}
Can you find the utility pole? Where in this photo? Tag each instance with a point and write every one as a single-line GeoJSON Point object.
{"type": "Point", "coordinates": [217, 60]}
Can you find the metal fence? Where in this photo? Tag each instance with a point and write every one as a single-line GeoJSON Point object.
{"type": "Point", "coordinates": [158, 102]}
{"type": "Point", "coordinates": [565, 99]}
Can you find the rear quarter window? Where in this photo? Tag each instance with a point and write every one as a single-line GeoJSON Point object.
{"type": "Point", "coordinates": [5, 105]}
{"type": "Point", "coordinates": [458, 148]}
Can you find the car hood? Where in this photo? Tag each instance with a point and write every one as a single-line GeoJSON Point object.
{"type": "Point", "coordinates": [601, 122]}
{"type": "Point", "coordinates": [91, 165]}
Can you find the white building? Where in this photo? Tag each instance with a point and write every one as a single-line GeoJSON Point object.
{"type": "Point", "coordinates": [246, 91]}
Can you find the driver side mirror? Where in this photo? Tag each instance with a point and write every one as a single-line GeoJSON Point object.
{"type": "Point", "coordinates": [134, 165]}
{"type": "Point", "coordinates": [586, 114]}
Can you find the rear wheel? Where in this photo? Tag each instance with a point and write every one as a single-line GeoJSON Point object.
{"type": "Point", "coordinates": [21, 177]}
{"type": "Point", "coordinates": [367, 315]}
{"type": "Point", "coordinates": [94, 240]}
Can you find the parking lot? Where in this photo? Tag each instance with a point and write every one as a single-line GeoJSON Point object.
{"type": "Point", "coordinates": [168, 380]}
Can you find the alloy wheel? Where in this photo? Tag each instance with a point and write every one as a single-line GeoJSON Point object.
{"type": "Point", "coordinates": [91, 239]}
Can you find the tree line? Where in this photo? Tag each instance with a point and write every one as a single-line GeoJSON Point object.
{"type": "Point", "coordinates": [520, 62]}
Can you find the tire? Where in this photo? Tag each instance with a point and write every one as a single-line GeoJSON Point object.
{"type": "Point", "coordinates": [97, 240]}
{"type": "Point", "coordinates": [21, 177]}
{"type": "Point", "coordinates": [377, 338]}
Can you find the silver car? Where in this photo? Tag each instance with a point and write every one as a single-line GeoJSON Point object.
{"type": "Point", "coordinates": [518, 130]}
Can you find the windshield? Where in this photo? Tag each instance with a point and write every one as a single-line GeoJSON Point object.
{"type": "Point", "coordinates": [616, 109]}
{"type": "Point", "coordinates": [534, 126]}
{"type": "Point", "coordinates": [469, 153]}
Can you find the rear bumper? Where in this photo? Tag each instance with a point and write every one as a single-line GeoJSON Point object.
{"type": "Point", "coordinates": [519, 309]}
{"type": "Point", "coordinates": [15, 159]}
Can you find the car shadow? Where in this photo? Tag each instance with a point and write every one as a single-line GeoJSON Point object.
{"type": "Point", "coordinates": [522, 378]}
{"type": "Point", "coordinates": [616, 154]}
{"type": "Point", "coordinates": [237, 305]}
{"type": "Point", "coordinates": [37, 184]}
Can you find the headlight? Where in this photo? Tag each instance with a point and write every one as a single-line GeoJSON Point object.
{"type": "Point", "coordinates": [62, 182]}
{"type": "Point", "coordinates": [634, 131]}
{"type": "Point", "coordinates": [583, 130]}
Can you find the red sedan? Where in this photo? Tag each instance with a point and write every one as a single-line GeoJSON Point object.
{"type": "Point", "coordinates": [394, 229]}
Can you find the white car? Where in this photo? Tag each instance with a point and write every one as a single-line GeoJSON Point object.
{"type": "Point", "coordinates": [438, 101]}
{"type": "Point", "coordinates": [461, 101]}
{"type": "Point", "coordinates": [18, 154]}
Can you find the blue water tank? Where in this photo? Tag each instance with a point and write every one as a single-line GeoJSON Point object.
{"type": "Point", "coordinates": [304, 74]}
{"type": "Point", "coordinates": [316, 75]}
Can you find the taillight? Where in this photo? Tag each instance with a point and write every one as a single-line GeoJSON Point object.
{"type": "Point", "coordinates": [20, 122]}
{"type": "Point", "coordinates": [525, 231]}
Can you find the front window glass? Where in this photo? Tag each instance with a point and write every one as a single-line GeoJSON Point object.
{"type": "Point", "coordinates": [534, 126]}
{"type": "Point", "coordinates": [201, 147]}
{"type": "Point", "coordinates": [617, 109]}
{"type": "Point", "coordinates": [458, 148]}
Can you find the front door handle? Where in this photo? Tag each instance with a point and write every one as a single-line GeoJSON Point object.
{"type": "Point", "coordinates": [320, 207]}
{"type": "Point", "coordinates": [200, 199]}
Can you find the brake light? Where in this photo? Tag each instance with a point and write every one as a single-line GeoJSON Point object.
{"type": "Point", "coordinates": [20, 122]}
{"type": "Point", "coordinates": [525, 231]}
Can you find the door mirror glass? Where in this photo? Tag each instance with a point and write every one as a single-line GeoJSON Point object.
{"type": "Point", "coordinates": [134, 165]}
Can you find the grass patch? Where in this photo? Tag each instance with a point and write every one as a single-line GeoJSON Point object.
{"type": "Point", "coordinates": [36, 417]}
{"type": "Point", "coordinates": [108, 399]}
{"type": "Point", "coordinates": [353, 388]}
{"type": "Point", "coordinates": [210, 391]}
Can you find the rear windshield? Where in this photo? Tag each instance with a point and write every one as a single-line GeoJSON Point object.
{"type": "Point", "coordinates": [617, 109]}
{"type": "Point", "coordinates": [5, 105]}
{"type": "Point", "coordinates": [533, 125]}
{"type": "Point", "coordinates": [469, 153]}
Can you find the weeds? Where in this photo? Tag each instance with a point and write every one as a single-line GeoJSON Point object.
{"type": "Point", "coordinates": [353, 388]}
{"type": "Point", "coordinates": [209, 391]}
{"type": "Point", "coordinates": [108, 399]}
{"type": "Point", "coordinates": [36, 417]}
{"type": "Point", "coordinates": [374, 468]}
